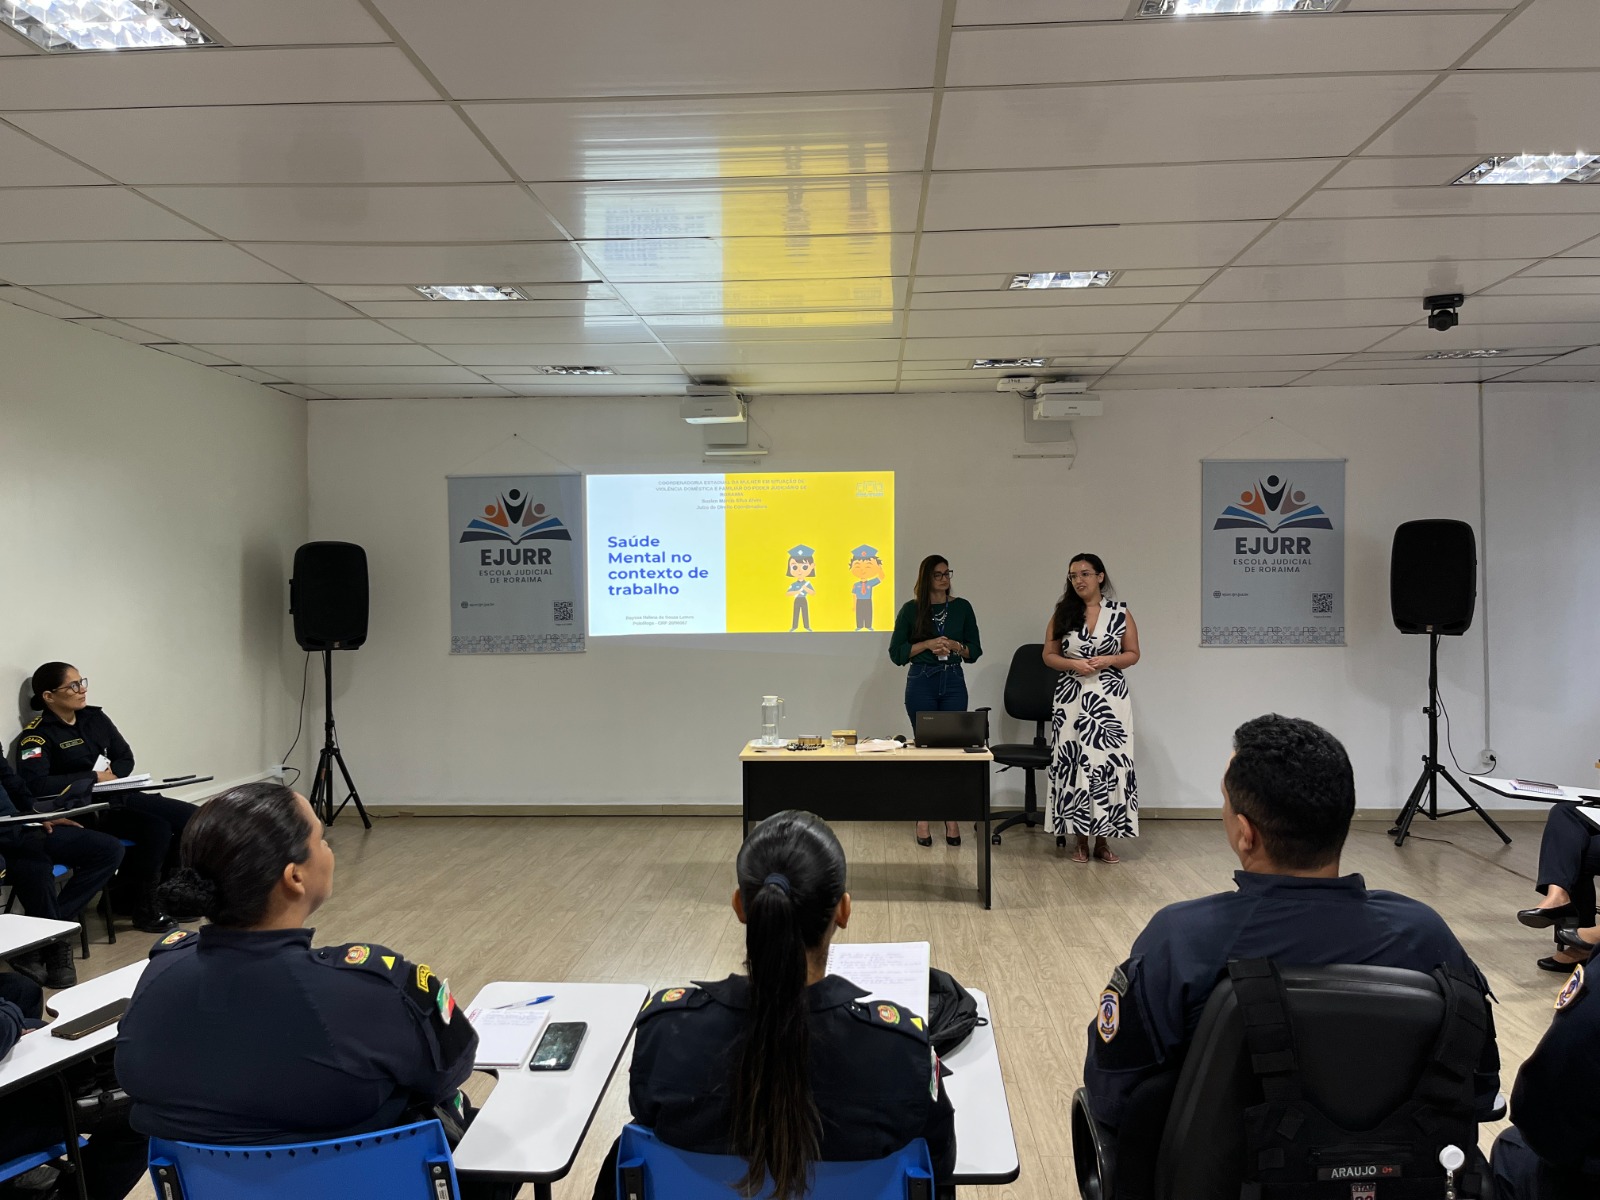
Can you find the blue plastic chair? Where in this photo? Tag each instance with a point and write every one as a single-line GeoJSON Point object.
{"type": "Point", "coordinates": [409, 1162]}
{"type": "Point", "coordinates": [24, 1163]}
{"type": "Point", "coordinates": [649, 1169]}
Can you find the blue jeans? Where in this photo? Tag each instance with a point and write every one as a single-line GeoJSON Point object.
{"type": "Point", "coordinates": [935, 687]}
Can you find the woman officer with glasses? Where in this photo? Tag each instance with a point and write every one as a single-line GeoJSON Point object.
{"type": "Point", "coordinates": [68, 748]}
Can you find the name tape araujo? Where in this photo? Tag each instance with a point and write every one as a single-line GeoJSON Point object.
{"type": "Point", "coordinates": [1272, 553]}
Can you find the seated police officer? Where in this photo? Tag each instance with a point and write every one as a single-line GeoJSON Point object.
{"type": "Point", "coordinates": [1569, 859]}
{"type": "Point", "coordinates": [31, 852]}
{"type": "Point", "coordinates": [244, 1033]}
{"type": "Point", "coordinates": [1552, 1150]}
{"type": "Point", "coordinates": [785, 1066]}
{"type": "Point", "coordinates": [1287, 800]}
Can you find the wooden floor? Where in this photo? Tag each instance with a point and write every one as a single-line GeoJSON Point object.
{"type": "Point", "coordinates": [647, 900]}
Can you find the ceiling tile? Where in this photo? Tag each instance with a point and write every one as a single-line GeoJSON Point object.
{"type": "Point", "coordinates": [1549, 285]}
{"type": "Point", "coordinates": [1106, 124]}
{"type": "Point", "coordinates": [308, 143]}
{"type": "Point", "coordinates": [1050, 298]}
{"type": "Point", "coordinates": [1566, 265]}
{"type": "Point", "coordinates": [118, 330]}
{"type": "Point", "coordinates": [328, 377]}
{"type": "Point", "coordinates": [554, 354]}
{"type": "Point", "coordinates": [1179, 49]}
{"type": "Point", "coordinates": [201, 300]}
{"type": "Point", "coordinates": [1555, 375]}
{"type": "Point", "coordinates": [132, 262]}
{"type": "Point", "coordinates": [1023, 12]}
{"type": "Point", "coordinates": [1379, 376]}
{"type": "Point", "coordinates": [415, 264]}
{"type": "Point", "coordinates": [250, 374]}
{"type": "Point", "coordinates": [451, 310]}
{"type": "Point", "coordinates": [193, 353]}
{"type": "Point", "coordinates": [1446, 201]}
{"type": "Point", "coordinates": [1268, 341]}
{"type": "Point", "coordinates": [1545, 310]}
{"type": "Point", "coordinates": [304, 354]}
{"type": "Point", "coordinates": [1115, 318]}
{"type": "Point", "coordinates": [206, 331]}
{"type": "Point", "coordinates": [40, 214]}
{"type": "Point", "coordinates": [767, 375]}
{"type": "Point", "coordinates": [697, 356]}
{"type": "Point", "coordinates": [288, 22]}
{"type": "Point", "coordinates": [492, 212]}
{"type": "Point", "coordinates": [1343, 281]}
{"type": "Point", "coordinates": [1589, 357]}
{"type": "Point", "coordinates": [1548, 34]}
{"type": "Point", "coordinates": [630, 380]}
{"type": "Point", "coordinates": [799, 326]}
{"type": "Point", "coordinates": [1242, 379]}
{"type": "Point", "coordinates": [1044, 345]}
{"type": "Point", "coordinates": [508, 48]}
{"type": "Point", "coordinates": [302, 393]}
{"type": "Point", "coordinates": [1300, 314]}
{"type": "Point", "coordinates": [765, 137]}
{"type": "Point", "coordinates": [1415, 239]}
{"type": "Point", "coordinates": [25, 163]}
{"type": "Point", "coordinates": [414, 391]}
{"type": "Point", "coordinates": [1096, 248]}
{"type": "Point", "coordinates": [672, 260]}
{"type": "Point", "coordinates": [127, 82]}
{"type": "Point", "coordinates": [1142, 364]}
{"type": "Point", "coordinates": [631, 386]}
{"type": "Point", "coordinates": [766, 295]}
{"type": "Point", "coordinates": [1474, 336]}
{"type": "Point", "coordinates": [1428, 5]}
{"type": "Point", "coordinates": [1418, 171]}
{"type": "Point", "coordinates": [40, 303]}
{"type": "Point", "coordinates": [1118, 195]}
{"type": "Point", "coordinates": [532, 331]}
{"type": "Point", "coordinates": [780, 207]}
{"type": "Point", "coordinates": [1498, 112]}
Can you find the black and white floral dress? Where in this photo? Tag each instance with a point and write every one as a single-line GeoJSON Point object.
{"type": "Point", "coordinates": [1092, 786]}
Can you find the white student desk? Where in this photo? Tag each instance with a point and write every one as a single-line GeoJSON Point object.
{"type": "Point", "coordinates": [1582, 796]}
{"type": "Point", "coordinates": [530, 1128]}
{"type": "Point", "coordinates": [986, 1149]}
{"type": "Point", "coordinates": [38, 1055]}
{"type": "Point", "coordinates": [19, 934]}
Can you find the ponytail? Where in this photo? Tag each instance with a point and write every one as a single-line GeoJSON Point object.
{"type": "Point", "coordinates": [791, 879]}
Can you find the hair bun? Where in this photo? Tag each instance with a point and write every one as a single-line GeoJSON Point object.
{"type": "Point", "coordinates": [188, 895]}
{"type": "Point", "coordinates": [36, 702]}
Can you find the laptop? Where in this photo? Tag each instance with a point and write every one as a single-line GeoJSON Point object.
{"type": "Point", "coordinates": [952, 730]}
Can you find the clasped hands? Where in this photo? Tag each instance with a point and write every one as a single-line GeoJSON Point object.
{"type": "Point", "coordinates": [1093, 665]}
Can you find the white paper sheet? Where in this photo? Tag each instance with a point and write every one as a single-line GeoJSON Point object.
{"type": "Point", "coordinates": [895, 971]}
{"type": "Point", "coordinates": [506, 1036]}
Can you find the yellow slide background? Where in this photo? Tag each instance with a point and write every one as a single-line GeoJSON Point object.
{"type": "Point", "coordinates": [831, 511]}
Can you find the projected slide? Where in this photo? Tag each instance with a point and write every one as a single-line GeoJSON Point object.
{"type": "Point", "coordinates": [758, 553]}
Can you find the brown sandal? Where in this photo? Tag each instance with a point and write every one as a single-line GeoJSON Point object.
{"type": "Point", "coordinates": [1105, 854]}
{"type": "Point", "coordinates": [1080, 854]}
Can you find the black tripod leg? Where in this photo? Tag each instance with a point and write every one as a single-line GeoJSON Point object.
{"type": "Point", "coordinates": [351, 784]}
{"type": "Point", "coordinates": [321, 797]}
{"type": "Point", "coordinates": [1475, 806]}
{"type": "Point", "coordinates": [1402, 825]}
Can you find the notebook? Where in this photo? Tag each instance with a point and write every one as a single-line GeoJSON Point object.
{"type": "Point", "coordinates": [506, 1036]}
{"type": "Point", "coordinates": [895, 971]}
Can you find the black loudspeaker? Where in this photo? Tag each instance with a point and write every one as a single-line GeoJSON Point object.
{"type": "Point", "coordinates": [328, 596]}
{"type": "Point", "coordinates": [1433, 577]}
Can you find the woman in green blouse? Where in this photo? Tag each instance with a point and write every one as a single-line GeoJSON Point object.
{"type": "Point", "coordinates": [935, 633]}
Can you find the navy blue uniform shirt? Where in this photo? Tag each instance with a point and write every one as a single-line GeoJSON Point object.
{"type": "Point", "coordinates": [1162, 988]}
{"type": "Point", "coordinates": [236, 1036]}
{"type": "Point", "coordinates": [1552, 1103]}
{"type": "Point", "coordinates": [873, 1074]}
{"type": "Point", "coordinates": [56, 760]}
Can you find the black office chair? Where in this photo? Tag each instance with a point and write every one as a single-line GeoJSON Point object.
{"type": "Point", "coordinates": [1367, 1042]}
{"type": "Point", "coordinates": [1030, 696]}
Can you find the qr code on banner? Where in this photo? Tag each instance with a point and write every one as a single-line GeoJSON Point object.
{"type": "Point", "coordinates": [1321, 604]}
{"type": "Point", "coordinates": [563, 610]}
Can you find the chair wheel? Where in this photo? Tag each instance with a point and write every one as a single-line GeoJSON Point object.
{"type": "Point", "coordinates": [995, 838]}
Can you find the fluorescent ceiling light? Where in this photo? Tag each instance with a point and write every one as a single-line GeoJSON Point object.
{"type": "Point", "coordinates": [1229, 8]}
{"type": "Point", "coordinates": [1535, 168]}
{"type": "Point", "coordinates": [1438, 354]}
{"type": "Point", "coordinates": [1005, 364]}
{"type": "Point", "coordinates": [462, 291]}
{"type": "Point", "coordinates": [1062, 279]}
{"type": "Point", "coordinates": [575, 370]}
{"type": "Point", "coordinates": [103, 24]}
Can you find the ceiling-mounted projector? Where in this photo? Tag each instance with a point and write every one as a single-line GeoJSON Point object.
{"type": "Point", "coordinates": [713, 406]}
{"type": "Point", "coordinates": [1063, 399]}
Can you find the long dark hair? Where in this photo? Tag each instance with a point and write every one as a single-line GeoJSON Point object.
{"type": "Point", "coordinates": [234, 852]}
{"type": "Point", "coordinates": [47, 679]}
{"type": "Point", "coordinates": [791, 878]}
{"type": "Point", "coordinates": [1071, 608]}
{"type": "Point", "coordinates": [923, 629]}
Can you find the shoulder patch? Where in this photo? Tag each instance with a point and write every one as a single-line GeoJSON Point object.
{"type": "Point", "coordinates": [178, 937]}
{"type": "Point", "coordinates": [669, 998]}
{"type": "Point", "coordinates": [1572, 989]}
{"type": "Point", "coordinates": [364, 956]}
{"type": "Point", "coordinates": [889, 1016]}
{"type": "Point", "coordinates": [34, 723]}
{"type": "Point", "coordinates": [33, 739]}
{"type": "Point", "coordinates": [1108, 1018]}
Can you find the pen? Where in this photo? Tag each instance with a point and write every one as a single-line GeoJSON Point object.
{"type": "Point", "coordinates": [526, 1003]}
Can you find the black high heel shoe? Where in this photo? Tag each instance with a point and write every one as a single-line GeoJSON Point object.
{"type": "Point", "coordinates": [925, 841]}
{"type": "Point", "coordinates": [952, 841]}
{"type": "Point", "coordinates": [1543, 918]}
{"type": "Point", "coordinates": [1567, 938]}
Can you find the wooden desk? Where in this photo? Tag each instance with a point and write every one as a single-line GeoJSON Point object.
{"type": "Point", "coordinates": [900, 785]}
{"type": "Point", "coordinates": [530, 1128]}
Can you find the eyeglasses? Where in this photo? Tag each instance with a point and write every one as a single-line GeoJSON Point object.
{"type": "Point", "coordinates": [1082, 574]}
{"type": "Point", "coordinates": [943, 574]}
{"type": "Point", "coordinates": [77, 687]}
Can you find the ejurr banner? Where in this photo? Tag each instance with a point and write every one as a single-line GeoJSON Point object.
{"type": "Point", "coordinates": [1272, 552]}
{"type": "Point", "coordinates": [516, 564]}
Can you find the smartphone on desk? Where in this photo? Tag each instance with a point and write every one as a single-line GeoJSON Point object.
{"type": "Point", "coordinates": [83, 1026]}
{"type": "Point", "coordinates": [559, 1046]}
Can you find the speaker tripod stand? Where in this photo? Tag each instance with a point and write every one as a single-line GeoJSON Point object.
{"type": "Point", "coordinates": [322, 782]}
{"type": "Point", "coordinates": [1433, 770]}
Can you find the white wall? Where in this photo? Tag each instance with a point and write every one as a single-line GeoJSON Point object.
{"type": "Point", "coordinates": [657, 720]}
{"type": "Point", "coordinates": [151, 508]}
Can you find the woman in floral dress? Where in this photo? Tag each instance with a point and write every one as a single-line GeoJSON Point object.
{"type": "Point", "coordinates": [1092, 640]}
